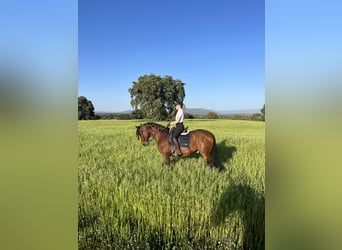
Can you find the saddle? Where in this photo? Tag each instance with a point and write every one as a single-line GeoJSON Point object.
{"type": "Point", "coordinates": [183, 139]}
{"type": "Point", "coordinates": [185, 131]}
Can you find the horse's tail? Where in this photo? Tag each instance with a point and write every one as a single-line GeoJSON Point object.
{"type": "Point", "coordinates": [214, 161]}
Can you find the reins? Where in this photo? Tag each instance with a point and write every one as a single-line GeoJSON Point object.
{"type": "Point", "coordinates": [152, 137]}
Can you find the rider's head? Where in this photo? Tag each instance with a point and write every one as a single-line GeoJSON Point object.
{"type": "Point", "coordinates": [180, 104]}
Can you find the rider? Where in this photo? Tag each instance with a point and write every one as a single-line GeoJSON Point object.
{"type": "Point", "coordinates": [179, 127]}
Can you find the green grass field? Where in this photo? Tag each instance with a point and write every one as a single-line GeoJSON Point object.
{"type": "Point", "coordinates": [129, 200]}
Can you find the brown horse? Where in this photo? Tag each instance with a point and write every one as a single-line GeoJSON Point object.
{"type": "Point", "coordinates": [201, 141]}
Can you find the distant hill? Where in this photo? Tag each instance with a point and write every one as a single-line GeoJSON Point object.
{"type": "Point", "coordinates": [242, 112]}
{"type": "Point", "coordinates": [202, 111]}
{"type": "Point", "coordinates": [198, 111]}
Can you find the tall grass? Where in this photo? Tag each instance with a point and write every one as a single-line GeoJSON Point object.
{"type": "Point", "coordinates": [128, 199]}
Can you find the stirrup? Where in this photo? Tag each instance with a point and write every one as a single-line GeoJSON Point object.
{"type": "Point", "coordinates": [175, 153]}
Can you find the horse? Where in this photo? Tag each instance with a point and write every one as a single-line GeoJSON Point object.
{"type": "Point", "coordinates": [201, 141]}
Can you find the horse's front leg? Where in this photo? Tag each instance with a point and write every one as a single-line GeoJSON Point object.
{"type": "Point", "coordinates": [166, 157]}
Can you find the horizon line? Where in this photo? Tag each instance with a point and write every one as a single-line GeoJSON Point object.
{"type": "Point", "coordinates": [226, 110]}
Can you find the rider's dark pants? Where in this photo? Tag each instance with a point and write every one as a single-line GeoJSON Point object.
{"type": "Point", "coordinates": [178, 130]}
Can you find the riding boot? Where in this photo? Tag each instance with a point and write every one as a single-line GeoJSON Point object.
{"type": "Point", "coordinates": [177, 149]}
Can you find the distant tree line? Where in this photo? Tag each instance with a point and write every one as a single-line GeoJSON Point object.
{"type": "Point", "coordinates": [253, 117]}
{"type": "Point", "coordinates": [209, 115]}
{"type": "Point", "coordinates": [86, 112]}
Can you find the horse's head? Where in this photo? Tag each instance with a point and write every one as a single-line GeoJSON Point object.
{"type": "Point", "coordinates": [144, 134]}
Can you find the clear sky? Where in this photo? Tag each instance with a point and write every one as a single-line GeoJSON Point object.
{"type": "Point", "coordinates": [215, 47]}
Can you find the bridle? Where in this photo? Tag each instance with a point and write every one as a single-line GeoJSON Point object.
{"type": "Point", "coordinates": [149, 138]}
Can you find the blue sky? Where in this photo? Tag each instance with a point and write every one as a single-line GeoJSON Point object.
{"type": "Point", "coordinates": [215, 47]}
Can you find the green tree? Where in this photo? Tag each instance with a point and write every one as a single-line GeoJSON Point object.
{"type": "Point", "coordinates": [256, 117]}
{"type": "Point", "coordinates": [85, 109]}
{"type": "Point", "coordinates": [137, 114]}
{"type": "Point", "coordinates": [156, 96]}
{"type": "Point", "coordinates": [262, 110]}
{"type": "Point", "coordinates": [211, 115]}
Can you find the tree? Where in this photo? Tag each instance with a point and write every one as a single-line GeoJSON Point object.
{"type": "Point", "coordinates": [137, 114]}
{"type": "Point", "coordinates": [262, 110]}
{"type": "Point", "coordinates": [85, 109]}
{"type": "Point", "coordinates": [256, 117]}
{"type": "Point", "coordinates": [156, 96]}
{"type": "Point", "coordinates": [211, 115]}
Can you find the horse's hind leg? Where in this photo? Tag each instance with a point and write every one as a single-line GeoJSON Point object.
{"type": "Point", "coordinates": [206, 158]}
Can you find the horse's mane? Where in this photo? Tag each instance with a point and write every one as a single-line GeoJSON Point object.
{"type": "Point", "coordinates": [155, 125]}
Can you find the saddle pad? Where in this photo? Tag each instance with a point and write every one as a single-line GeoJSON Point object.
{"type": "Point", "coordinates": [184, 140]}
